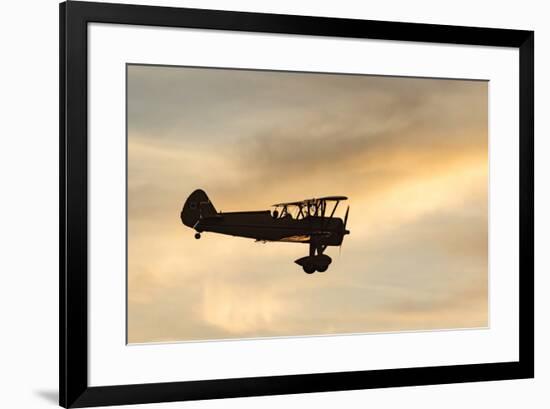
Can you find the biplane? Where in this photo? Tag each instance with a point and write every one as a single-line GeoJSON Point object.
{"type": "Point", "coordinates": [307, 221]}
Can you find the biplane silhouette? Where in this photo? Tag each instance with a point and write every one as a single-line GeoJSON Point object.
{"type": "Point", "coordinates": [306, 221]}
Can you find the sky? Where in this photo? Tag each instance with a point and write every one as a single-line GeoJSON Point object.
{"type": "Point", "coordinates": [410, 153]}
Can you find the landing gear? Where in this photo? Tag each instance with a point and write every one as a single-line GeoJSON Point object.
{"type": "Point", "coordinates": [197, 236]}
{"type": "Point", "coordinates": [312, 264]}
{"type": "Point", "coordinates": [315, 262]}
{"type": "Point", "coordinates": [309, 268]}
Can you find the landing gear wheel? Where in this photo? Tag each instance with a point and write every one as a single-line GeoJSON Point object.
{"type": "Point", "coordinates": [197, 236]}
{"type": "Point", "coordinates": [322, 269]}
{"type": "Point", "coordinates": [308, 268]}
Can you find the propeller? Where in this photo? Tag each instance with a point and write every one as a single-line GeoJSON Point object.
{"type": "Point", "coordinates": [346, 221]}
{"type": "Point", "coordinates": [344, 231]}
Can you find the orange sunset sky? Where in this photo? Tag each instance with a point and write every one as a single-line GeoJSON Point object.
{"type": "Point", "coordinates": [410, 153]}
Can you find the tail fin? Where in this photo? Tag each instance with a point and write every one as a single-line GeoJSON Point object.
{"type": "Point", "coordinates": [196, 206]}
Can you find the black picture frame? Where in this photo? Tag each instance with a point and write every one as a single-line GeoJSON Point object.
{"type": "Point", "coordinates": [73, 349]}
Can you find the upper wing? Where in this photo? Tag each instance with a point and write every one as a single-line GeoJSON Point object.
{"type": "Point", "coordinates": [332, 198]}
{"type": "Point", "coordinates": [301, 202]}
{"type": "Point", "coordinates": [308, 201]}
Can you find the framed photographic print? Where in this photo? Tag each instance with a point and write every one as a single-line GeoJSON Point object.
{"type": "Point", "coordinates": [257, 204]}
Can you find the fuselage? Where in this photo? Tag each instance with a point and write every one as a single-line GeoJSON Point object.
{"type": "Point", "coordinates": [261, 225]}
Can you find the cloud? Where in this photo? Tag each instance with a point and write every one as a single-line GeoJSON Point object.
{"type": "Point", "coordinates": [410, 153]}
